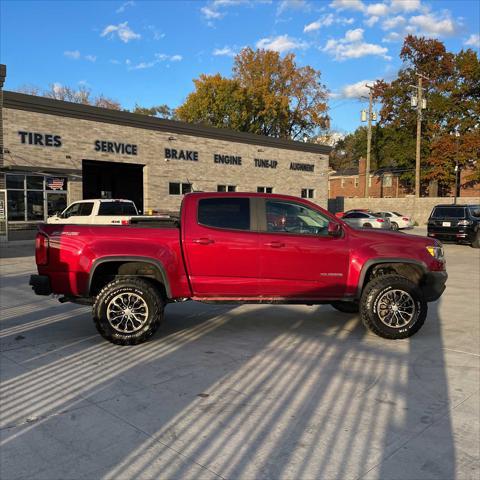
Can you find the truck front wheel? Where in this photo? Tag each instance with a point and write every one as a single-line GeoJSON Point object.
{"type": "Point", "coordinates": [128, 311]}
{"type": "Point", "coordinates": [393, 307]}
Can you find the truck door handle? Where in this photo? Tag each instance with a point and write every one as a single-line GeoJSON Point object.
{"type": "Point", "coordinates": [275, 244]}
{"type": "Point", "coordinates": [204, 241]}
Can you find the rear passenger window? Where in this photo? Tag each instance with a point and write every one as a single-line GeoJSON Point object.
{"type": "Point", "coordinates": [116, 208]}
{"type": "Point", "coordinates": [232, 213]}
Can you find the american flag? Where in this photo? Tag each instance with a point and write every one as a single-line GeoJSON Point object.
{"type": "Point", "coordinates": [55, 183]}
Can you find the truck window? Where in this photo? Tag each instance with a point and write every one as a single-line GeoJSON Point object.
{"type": "Point", "coordinates": [116, 208]}
{"type": "Point", "coordinates": [286, 217]}
{"type": "Point", "coordinates": [232, 213]}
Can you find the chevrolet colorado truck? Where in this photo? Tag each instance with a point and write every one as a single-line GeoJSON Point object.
{"type": "Point", "coordinates": [239, 248]}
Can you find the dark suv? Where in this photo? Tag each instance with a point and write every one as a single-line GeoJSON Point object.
{"type": "Point", "coordinates": [460, 223]}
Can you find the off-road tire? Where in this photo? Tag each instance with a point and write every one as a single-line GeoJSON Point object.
{"type": "Point", "coordinates": [346, 307]}
{"type": "Point", "coordinates": [372, 295]}
{"type": "Point", "coordinates": [140, 288]}
{"type": "Point", "coordinates": [476, 241]}
{"type": "Point", "coordinates": [394, 226]}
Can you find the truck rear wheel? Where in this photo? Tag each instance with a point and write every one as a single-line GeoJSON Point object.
{"type": "Point", "coordinates": [393, 307]}
{"type": "Point", "coordinates": [128, 311]}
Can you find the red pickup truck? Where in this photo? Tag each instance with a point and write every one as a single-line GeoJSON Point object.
{"type": "Point", "coordinates": [244, 248]}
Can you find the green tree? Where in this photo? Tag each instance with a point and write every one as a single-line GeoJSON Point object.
{"type": "Point", "coordinates": [267, 95]}
{"type": "Point", "coordinates": [452, 92]}
{"type": "Point", "coordinates": [159, 111]}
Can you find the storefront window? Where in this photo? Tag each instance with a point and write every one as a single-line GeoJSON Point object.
{"type": "Point", "coordinates": [16, 205]}
{"type": "Point", "coordinates": [34, 183]}
{"type": "Point", "coordinates": [30, 195]}
{"type": "Point", "coordinates": [16, 181]}
{"type": "Point", "coordinates": [35, 205]}
{"type": "Point", "coordinates": [56, 203]}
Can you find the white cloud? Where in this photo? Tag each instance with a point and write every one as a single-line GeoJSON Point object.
{"type": "Point", "coordinates": [124, 32]}
{"type": "Point", "coordinates": [405, 5]}
{"type": "Point", "coordinates": [282, 43]}
{"type": "Point", "coordinates": [224, 52]}
{"type": "Point", "coordinates": [392, 37]}
{"type": "Point", "coordinates": [348, 5]}
{"type": "Point", "coordinates": [292, 5]}
{"type": "Point", "coordinates": [376, 9]}
{"type": "Point", "coordinates": [124, 6]}
{"type": "Point", "coordinates": [159, 57]}
{"type": "Point", "coordinates": [354, 35]}
{"type": "Point", "coordinates": [75, 54]}
{"type": "Point", "coordinates": [210, 13]}
{"type": "Point", "coordinates": [57, 87]}
{"type": "Point", "coordinates": [473, 41]}
{"type": "Point", "coordinates": [325, 21]}
{"type": "Point", "coordinates": [434, 24]}
{"type": "Point", "coordinates": [393, 23]}
{"type": "Point", "coordinates": [143, 65]}
{"type": "Point", "coordinates": [370, 22]}
{"type": "Point", "coordinates": [356, 90]}
{"type": "Point", "coordinates": [353, 46]}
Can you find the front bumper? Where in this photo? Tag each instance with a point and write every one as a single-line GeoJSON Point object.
{"type": "Point", "coordinates": [433, 285]}
{"type": "Point", "coordinates": [40, 284]}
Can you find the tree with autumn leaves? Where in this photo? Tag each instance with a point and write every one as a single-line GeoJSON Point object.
{"type": "Point", "coordinates": [266, 95]}
{"type": "Point", "coordinates": [453, 105]}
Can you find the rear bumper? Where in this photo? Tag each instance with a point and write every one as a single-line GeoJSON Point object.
{"type": "Point", "coordinates": [40, 284]}
{"type": "Point", "coordinates": [433, 285]}
{"type": "Point", "coordinates": [452, 234]}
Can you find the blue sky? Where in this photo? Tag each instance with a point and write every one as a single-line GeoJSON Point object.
{"type": "Point", "coordinates": [148, 52]}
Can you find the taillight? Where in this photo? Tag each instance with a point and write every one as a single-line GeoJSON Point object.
{"type": "Point", "coordinates": [381, 220]}
{"type": "Point", "coordinates": [125, 222]}
{"type": "Point", "coordinates": [41, 249]}
{"type": "Point", "coordinates": [405, 219]}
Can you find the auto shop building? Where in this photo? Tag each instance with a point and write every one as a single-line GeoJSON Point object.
{"type": "Point", "coordinates": [57, 152]}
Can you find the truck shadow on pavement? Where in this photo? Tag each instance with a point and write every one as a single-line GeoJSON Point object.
{"type": "Point", "coordinates": [224, 391]}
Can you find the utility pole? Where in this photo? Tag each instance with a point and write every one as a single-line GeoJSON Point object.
{"type": "Point", "coordinates": [421, 104]}
{"type": "Point", "coordinates": [369, 137]}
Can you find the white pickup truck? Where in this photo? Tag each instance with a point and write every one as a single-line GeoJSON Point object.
{"type": "Point", "coordinates": [97, 211]}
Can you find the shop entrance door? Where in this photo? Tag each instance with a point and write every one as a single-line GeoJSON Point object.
{"type": "Point", "coordinates": [3, 216]}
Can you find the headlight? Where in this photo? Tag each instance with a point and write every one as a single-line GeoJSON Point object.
{"type": "Point", "coordinates": [435, 252]}
{"type": "Point", "coordinates": [464, 223]}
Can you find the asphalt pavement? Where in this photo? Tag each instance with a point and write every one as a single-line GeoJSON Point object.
{"type": "Point", "coordinates": [264, 392]}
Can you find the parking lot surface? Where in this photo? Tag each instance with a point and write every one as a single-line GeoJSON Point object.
{"type": "Point", "coordinates": [264, 392]}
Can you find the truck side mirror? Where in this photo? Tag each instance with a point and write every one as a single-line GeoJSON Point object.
{"type": "Point", "coordinates": [334, 229]}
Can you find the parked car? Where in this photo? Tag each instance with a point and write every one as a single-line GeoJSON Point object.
{"type": "Point", "coordinates": [362, 219]}
{"type": "Point", "coordinates": [96, 211]}
{"type": "Point", "coordinates": [341, 214]}
{"type": "Point", "coordinates": [236, 248]}
{"type": "Point", "coordinates": [459, 223]}
{"type": "Point", "coordinates": [397, 220]}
